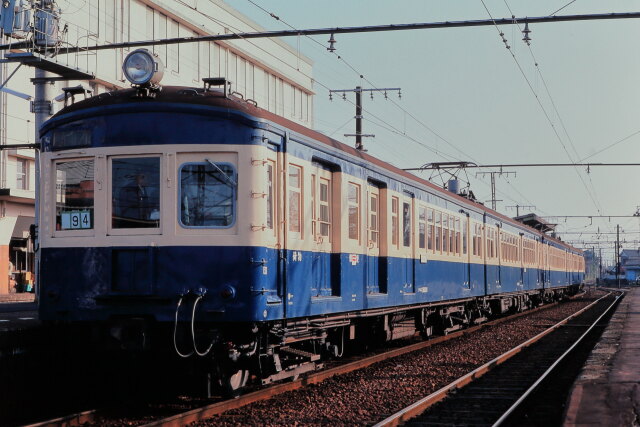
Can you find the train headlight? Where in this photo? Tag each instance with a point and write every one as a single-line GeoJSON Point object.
{"type": "Point", "coordinates": [143, 68]}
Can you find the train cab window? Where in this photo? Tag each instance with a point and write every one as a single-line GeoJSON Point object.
{"type": "Point", "coordinates": [207, 195]}
{"type": "Point", "coordinates": [74, 195]}
{"type": "Point", "coordinates": [353, 201]}
{"type": "Point", "coordinates": [135, 186]}
{"type": "Point", "coordinates": [406, 224]}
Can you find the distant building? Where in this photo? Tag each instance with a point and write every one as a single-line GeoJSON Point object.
{"type": "Point", "coordinates": [630, 264]}
{"type": "Point", "coordinates": [269, 71]}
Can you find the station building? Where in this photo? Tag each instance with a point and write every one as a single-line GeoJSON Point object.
{"type": "Point", "coordinates": [270, 72]}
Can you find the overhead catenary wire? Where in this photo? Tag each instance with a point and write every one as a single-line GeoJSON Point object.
{"type": "Point", "coordinates": [403, 133]}
{"type": "Point", "coordinates": [537, 98]}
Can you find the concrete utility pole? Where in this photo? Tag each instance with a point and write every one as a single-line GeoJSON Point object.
{"type": "Point", "coordinates": [358, 91]}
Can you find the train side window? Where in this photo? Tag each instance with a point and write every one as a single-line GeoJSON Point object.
{"type": "Point", "coordinates": [207, 195]}
{"type": "Point", "coordinates": [353, 200]}
{"type": "Point", "coordinates": [74, 195]}
{"type": "Point", "coordinates": [422, 227]}
{"type": "Point", "coordinates": [394, 221]}
{"type": "Point", "coordinates": [430, 229]}
{"type": "Point", "coordinates": [406, 224]}
{"type": "Point", "coordinates": [438, 232]}
{"type": "Point", "coordinates": [325, 208]}
{"type": "Point", "coordinates": [445, 233]}
{"type": "Point", "coordinates": [135, 186]}
{"type": "Point", "coordinates": [295, 199]}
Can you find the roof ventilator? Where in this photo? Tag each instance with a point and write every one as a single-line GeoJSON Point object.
{"type": "Point", "coordinates": [71, 92]}
{"type": "Point", "coordinates": [217, 81]}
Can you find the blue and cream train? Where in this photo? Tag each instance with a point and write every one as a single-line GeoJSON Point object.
{"type": "Point", "coordinates": [189, 218]}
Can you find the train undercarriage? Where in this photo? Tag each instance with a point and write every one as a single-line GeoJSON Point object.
{"type": "Point", "coordinates": [283, 350]}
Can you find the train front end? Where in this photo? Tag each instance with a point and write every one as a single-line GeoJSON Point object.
{"type": "Point", "coordinates": [154, 216]}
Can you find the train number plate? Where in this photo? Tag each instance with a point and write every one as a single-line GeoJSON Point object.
{"type": "Point", "coordinates": [75, 220]}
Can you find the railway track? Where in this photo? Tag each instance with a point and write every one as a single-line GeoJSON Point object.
{"type": "Point", "coordinates": [253, 403]}
{"type": "Point", "coordinates": [511, 385]}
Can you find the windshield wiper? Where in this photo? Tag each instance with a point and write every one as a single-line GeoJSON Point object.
{"type": "Point", "coordinates": [227, 177]}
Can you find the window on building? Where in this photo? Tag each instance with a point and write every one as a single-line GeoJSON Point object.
{"type": "Point", "coordinates": [22, 174]}
{"type": "Point", "coordinates": [353, 202]}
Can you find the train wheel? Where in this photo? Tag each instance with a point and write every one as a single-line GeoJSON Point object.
{"type": "Point", "coordinates": [232, 382]}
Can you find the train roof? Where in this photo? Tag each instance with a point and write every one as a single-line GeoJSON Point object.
{"type": "Point", "coordinates": [216, 98]}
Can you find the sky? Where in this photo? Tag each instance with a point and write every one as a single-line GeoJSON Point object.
{"type": "Point", "coordinates": [465, 98]}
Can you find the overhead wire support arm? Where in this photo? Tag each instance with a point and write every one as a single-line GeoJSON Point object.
{"type": "Point", "coordinates": [431, 166]}
{"type": "Point", "coordinates": [341, 30]}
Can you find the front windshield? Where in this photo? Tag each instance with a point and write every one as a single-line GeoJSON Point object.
{"type": "Point", "coordinates": [135, 190]}
{"type": "Point", "coordinates": [207, 195]}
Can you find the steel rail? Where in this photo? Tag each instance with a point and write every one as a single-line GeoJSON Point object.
{"type": "Point", "coordinates": [341, 30]}
{"type": "Point", "coordinates": [420, 406]}
{"type": "Point", "coordinates": [535, 385]}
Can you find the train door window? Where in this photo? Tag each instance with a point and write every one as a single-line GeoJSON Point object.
{"type": "Point", "coordinates": [374, 208]}
{"type": "Point", "coordinates": [321, 206]}
{"type": "Point", "coordinates": [438, 232]}
{"type": "Point", "coordinates": [295, 200]}
{"type": "Point", "coordinates": [74, 195]}
{"type": "Point", "coordinates": [270, 199]}
{"type": "Point", "coordinates": [430, 229]}
{"type": "Point", "coordinates": [394, 221]}
{"type": "Point", "coordinates": [135, 192]}
{"type": "Point", "coordinates": [445, 233]}
{"type": "Point", "coordinates": [406, 224]}
{"type": "Point", "coordinates": [353, 201]}
{"type": "Point", "coordinates": [422, 227]}
{"type": "Point", "coordinates": [325, 209]}
{"type": "Point", "coordinates": [207, 195]}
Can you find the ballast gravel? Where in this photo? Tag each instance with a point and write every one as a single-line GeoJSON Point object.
{"type": "Point", "coordinates": [369, 395]}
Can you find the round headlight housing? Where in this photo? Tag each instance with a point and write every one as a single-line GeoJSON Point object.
{"type": "Point", "coordinates": [143, 68]}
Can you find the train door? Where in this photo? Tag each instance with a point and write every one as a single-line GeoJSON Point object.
{"type": "Point", "coordinates": [408, 244]}
{"type": "Point", "coordinates": [521, 260]}
{"type": "Point", "coordinates": [498, 247]}
{"type": "Point", "coordinates": [466, 250]}
{"type": "Point", "coordinates": [373, 276]}
{"type": "Point", "coordinates": [321, 201]}
{"type": "Point", "coordinates": [274, 220]}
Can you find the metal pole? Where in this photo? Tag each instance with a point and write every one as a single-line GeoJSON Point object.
{"type": "Point", "coordinates": [42, 110]}
{"type": "Point", "coordinates": [618, 255]}
{"type": "Point", "coordinates": [493, 191]}
{"type": "Point", "coordinates": [359, 118]}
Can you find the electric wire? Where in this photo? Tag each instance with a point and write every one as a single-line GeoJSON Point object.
{"type": "Point", "coordinates": [546, 114]}
{"type": "Point", "coordinates": [465, 155]}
